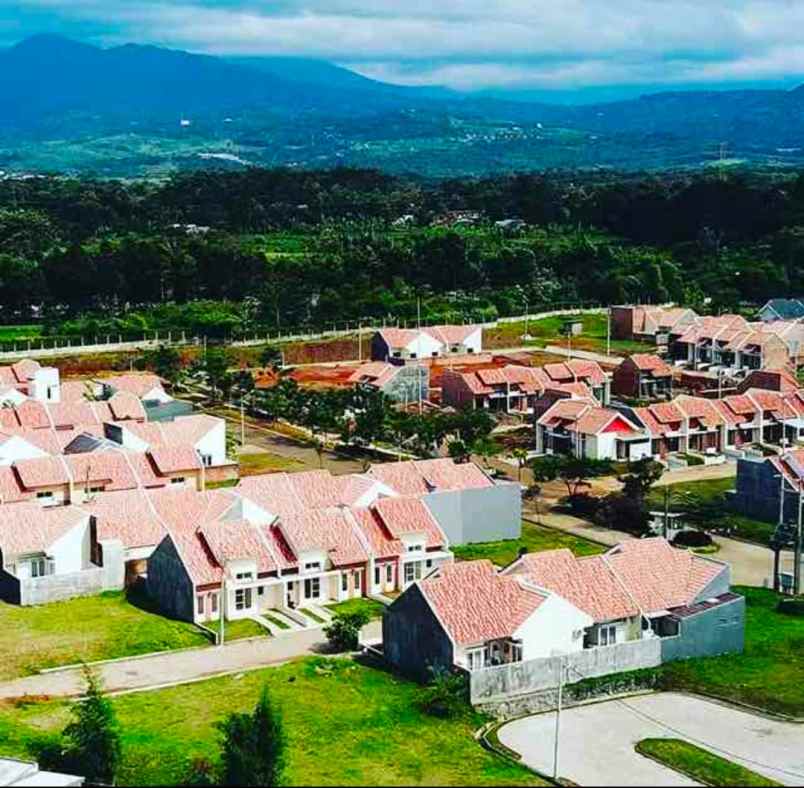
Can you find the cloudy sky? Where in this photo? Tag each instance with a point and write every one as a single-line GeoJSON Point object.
{"type": "Point", "coordinates": [464, 44]}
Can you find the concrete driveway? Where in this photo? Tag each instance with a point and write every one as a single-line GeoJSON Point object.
{"type": "Point", "coordinates": [597, 741]}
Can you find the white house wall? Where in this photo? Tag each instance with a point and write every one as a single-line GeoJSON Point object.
{"type": "Point", "coordinates": [474, 342]}
{"type": "Point", "coordinates": [16, 448]}
{"type": "Point", "coordinates": [71, 552]}
{"type": "Point", "coordinates": [555, 627]}
{"type": "Point", "coordinates": [424, 346]}
{"type": "Point", "coordinates": [213, 443]}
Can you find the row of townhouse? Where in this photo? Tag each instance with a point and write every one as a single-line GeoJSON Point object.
{"type": "Point", "coordinates": [725, 342]}
{"type": "Point", "coordinates": [643, 376]}
{"type": "Point", "coordinates": [400, 345]}
{"type": "Point", "coordinates": [279, 540]}
{"type": "Point", "coordinates": [27, 379]}
{"type": "Point", "coordinates": [518, 389]}
{"type": "Point", "coordinates": [710, 426]}
{"type": "Point", "coordinates": [474, 617]}
{"type": "Point", "coordinates": [178, 445]}
{"type": "Point", "coordinates": [78, 478]}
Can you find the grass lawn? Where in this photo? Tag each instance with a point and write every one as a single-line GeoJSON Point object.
{"type": "Point", "coordinates": [705, 501]}
{"type": "Point", "coordinates": [241, 628]}
{"type": "Point", "coordinates": [371, 607]}
{"type": "Point", "coordinates": [769, 674]}
{"type": "Point", "coordinates": [266, 462]}
{"type": "Point", "coordinates": [701, 765]}
{"type": "Point", "coordinates": [347, 724]}
{"type": "Point", "coordinates": [20, 332]}
{"type": "Point", "coordinates": [89, 628]}
{"type": "Point", "coordinates": [534, 537]}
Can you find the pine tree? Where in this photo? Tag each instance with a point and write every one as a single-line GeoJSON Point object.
{"type": "Point", "coordinates": [254, 746]}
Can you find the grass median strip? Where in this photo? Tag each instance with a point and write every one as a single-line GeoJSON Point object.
{"type": "Point", "coordinates": [700, 764]}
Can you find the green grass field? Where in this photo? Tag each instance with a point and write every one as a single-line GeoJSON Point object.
{"type": "Point", "coordinates": [705, 501]}
{"type": "Point", "coordinates": [347, 724]}
{"type": "Point", "coordinates": [534, 539]}
{"type": "Point", "coordinates": [266, 462]}
{"type": "Point", "coordinates": [769, 674]}
{"type": "Point", "coordinates": [701, 765]}
{"type": "Point", "coordinates": [88, 628]}
{"type": "Point", "coordinates": [372, 608]}
{"type": "Point", "coordinates": [20, 333]}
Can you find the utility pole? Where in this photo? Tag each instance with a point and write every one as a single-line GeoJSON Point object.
{"type": "Point", "coordinates": [797, 548]}
{"type": "Point", "coordinates": [558, 717]}
{"type": "Point", "coordinates": [777, 550]}
{"type": "Point", "coordinates": [223, 605]}
{"type": "Point", "coordinates": [527, 314]}
{"type": "Point", "coordinates": [608, 331]}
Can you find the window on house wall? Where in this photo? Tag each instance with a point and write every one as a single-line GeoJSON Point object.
{"type": "Point", "coordinates": [475, 659]}
{"type": "Point", "coordinates": [213, 603]}
{"type": "Point", "coordinates": [260, 590]}
{"type": "Point", "coordinates": [313, 566]}
{"type": "Point", "coordinates": [389, 573]}
{"type": "Point", "coordinates": [312, 588]}
{"type": "Point", "coordinates": [199, 604]}
{"type": "Point", "coordinates": [415, 548]}
{"type": "Point", "coordinates": [245, 575]}
{"type": "Point", "coordinates": [377, 575]}
{"type": "Point", "coordinates": [410, 575]}
{"type": "Point", "coordinates": [516, 652]}
{"type": "Point", "coordinates": [177, 480]}
{"type": "Point", "coordinates": [429, 563]}
{"type": "Point", "coordinates": [243, 599]}
{"type": "Point", "coordinates": [45, 495]}
{"type": "Point", "coordinates": [344, 582]}
{"type": "Point", "coordinates": [38, 567]}
{"type": "Point", "coordinates": [206, 460]}
{"type": "Point", "coordinates": [607, 635]}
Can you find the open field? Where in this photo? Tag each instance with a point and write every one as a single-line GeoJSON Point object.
{"type": "Point", "coordinates": [700, 764]}
{"type": "Point", "coordinates": [253, 464]}
{"type": "Point", "coordinates": [347, 724]}
{"type": "Point", "coordinates": [706, 503]}
{"type": "Point", "coordinates": [548, 331]}
{"type": "Point", "coordinates": [85, 629]}
{"type": "Point", "coordinates": [20, 333]}
{"type": "Point", "coordinates": [768, 675]}
{"type": "Point", "coordinates": [534, 539]}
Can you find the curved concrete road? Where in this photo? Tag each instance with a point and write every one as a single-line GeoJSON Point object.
{"type": "Point", "coordinates": [597, 740]}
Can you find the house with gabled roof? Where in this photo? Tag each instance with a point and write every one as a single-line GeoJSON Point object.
{"type": "Point", "coordinates": [781, 309]}
{"type": "Point", "coordinates": [401, 345]}
{"type": "Point", "coordinates": [550, 604]}
{"type": "Point", "coordinates": [643, 376]}
{"type": "Point", "coordinates": [399, 383]}
{"type": "Point", "coordinates": [29, 378]}
{"type": "Point", "coordinates": [52, 554]}
{"type": "Point", "coordinates": [582, 428]}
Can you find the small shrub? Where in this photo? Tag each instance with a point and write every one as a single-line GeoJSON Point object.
{"type": "Point", "coordinates": [623, 513]}
{"type": "Point", "coordinates": [446, 695]}
{"type": "Point", "coordinates": [692, 539]}
{"type": "Point", "coordinates": [583, 505]}
{"type": "Point", "coordinates": [343, 633]}
{"type": "Point", "coordinates": [791, 606]}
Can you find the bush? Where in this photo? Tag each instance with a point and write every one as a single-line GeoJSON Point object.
{"type": "Point", "coordinates": [583, 504]}
{"type": "Point", "coordinates": [791, 607]}
{"type": "Point", "coordinates": [692, 539]}
{"type": "Point", "coordinates": [446, 695]}
{"type": "Point", "coordinates": [623, 513]}
{"type": "Point", "coordinates": [343, 633]}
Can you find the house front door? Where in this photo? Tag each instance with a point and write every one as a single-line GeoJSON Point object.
{"type": "Point", "coordinates": [289, 594]}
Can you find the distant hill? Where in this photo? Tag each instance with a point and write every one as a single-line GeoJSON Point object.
{"type": "Point", "coordinates": [118, 110]}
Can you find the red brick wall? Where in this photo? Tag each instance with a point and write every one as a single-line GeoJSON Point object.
{"type": "Point", "coordinates": [625, 380]}
{"type": "Point", "coordinates": [622, 322]}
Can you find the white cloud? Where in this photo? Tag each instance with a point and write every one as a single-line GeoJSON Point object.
{"type": "Point", "coordinates": [473, 43]}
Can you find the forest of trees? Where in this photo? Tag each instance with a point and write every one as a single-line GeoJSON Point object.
{"type": "Point", "coordinates": [286, 248]}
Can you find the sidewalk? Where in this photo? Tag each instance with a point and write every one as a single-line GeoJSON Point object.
{"type": "Point", "coordinates": [180, 667]}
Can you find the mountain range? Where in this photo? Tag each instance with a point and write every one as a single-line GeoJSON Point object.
{"type": "Point", "coordinates": [145, 110]}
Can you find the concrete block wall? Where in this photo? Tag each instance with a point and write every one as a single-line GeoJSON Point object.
{"type": "Point", "coordinates": [505, 682]}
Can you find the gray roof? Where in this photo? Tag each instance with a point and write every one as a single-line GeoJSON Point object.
{"type": "Point", "coordinates": [787, 308]}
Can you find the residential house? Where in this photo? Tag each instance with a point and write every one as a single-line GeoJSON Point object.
{"type": "Point", "coordinates": [52, 554]}
{"type": "Point", "coordinates": [468, 505]}
{"type": "Point", "coordinates": [643, 376]}
{"type": "Point", "coordinates": [583, 428]}
{"type": "Point", "coordinates": [206, 434]}
{"type": "Point", "coordinates": [782, 380]}
{"type": "Point", "coordinates": [517, 389]}
{"type": "Point", "coordinates": [401, 345]}
{"type": "Point", "coordinates": [551, 604]}
{"type": "Point", "coordinates": [232, 554]}
{"type": "Point", "coordinates": [762, 482]}
{"type": "Point", "coordinates": [649, 323]}
{"type": "Point", "coordinates": [145, 386]}
{"type": "Point", "coordinates": [782, 309]}
{"type": "Point", "coordinates": [399, 383]}
{"type": "Point", "coordinates": [29, 378]}
{"type": "Point", "coordinates": [77, 478]}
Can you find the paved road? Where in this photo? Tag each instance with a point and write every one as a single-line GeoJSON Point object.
{"type": "Point", "coordinates": [179, 667]}
{"type": "Point", "coordinates": [597, 741]}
